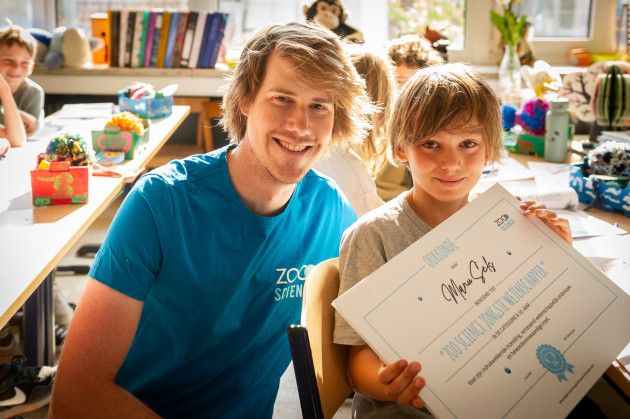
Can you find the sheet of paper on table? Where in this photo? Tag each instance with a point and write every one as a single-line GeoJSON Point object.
{"type": "Point", "coordinates": [506, 319]}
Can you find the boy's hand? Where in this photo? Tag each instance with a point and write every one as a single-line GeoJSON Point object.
{"type": "Point", "coordinates": [557, 224]}
{"type": "Point", "coordinates": [30, 123]}
{"type": "Point", "coordinates": [400, 382]}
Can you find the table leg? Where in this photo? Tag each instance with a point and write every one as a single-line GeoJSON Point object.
{"type": "Point", "coordinates": [39, 325]}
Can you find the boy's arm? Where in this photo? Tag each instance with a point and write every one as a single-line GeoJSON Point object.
{"type": "Point", "coordinates": [550, 218]}
{"type": "Point", "coordinates": [100, 335]}
{"type": "Point", "coordinates": [30, 122]}
{"type": "Point", "coordinates": [394, 382]}
{"type": "Point", "coordinates": [13, 128]}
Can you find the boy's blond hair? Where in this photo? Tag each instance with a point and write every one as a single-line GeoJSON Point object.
{"type": "Point", "coordinates": [320, 61]}
{"type": "Point", "coordinates": [16, 35]}
{"type": "Point", "coordinates": [378, 72]}
{"type": "Point", "coordinates": [438, 96]}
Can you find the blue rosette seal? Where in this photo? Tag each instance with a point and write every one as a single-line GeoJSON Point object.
{"type": "Point", "coordinates": [553, 361]}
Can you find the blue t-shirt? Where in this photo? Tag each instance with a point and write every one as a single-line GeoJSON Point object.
{"type": "Point", "coordinates": [220, 285]}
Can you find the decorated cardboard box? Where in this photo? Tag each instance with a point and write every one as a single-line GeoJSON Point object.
{"type": "Point", "coordinates": [112, 138]}
{"type": "Point", "coordinates": [524, 143]}
{"type": "Point", "coordinates": [60, 184]}
{"type": "Point", "coordinates": [610, 197]}
{"type": "Point", "coordinates": [146, 107]}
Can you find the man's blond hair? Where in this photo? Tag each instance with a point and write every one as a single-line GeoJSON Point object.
{"type": "Point", "coordinates": [320, 61]}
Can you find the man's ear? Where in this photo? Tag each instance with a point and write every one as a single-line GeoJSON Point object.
{"type": "Point", "coordinates": [244, 107]}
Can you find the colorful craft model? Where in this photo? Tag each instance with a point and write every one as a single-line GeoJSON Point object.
{"type": "Point", "coordinates": [70, 148]}
{"type": "Point", "coordinates": [127, 121]}
{"type": "Point", "coordinates": [579, 88]}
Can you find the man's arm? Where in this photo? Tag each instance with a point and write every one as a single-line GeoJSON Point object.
{"type": "Point", "coordinates": [100, 335]}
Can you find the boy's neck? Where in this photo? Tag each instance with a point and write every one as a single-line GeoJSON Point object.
{"type": "Point", "coordinates": [432, 211]}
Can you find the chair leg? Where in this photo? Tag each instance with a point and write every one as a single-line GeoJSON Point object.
{"type": "Point", "coordinates": [306, 381]}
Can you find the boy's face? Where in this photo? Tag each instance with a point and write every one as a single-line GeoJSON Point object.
{"type": "Point", "coordinates": [447, 166]}
{"type": "Point", "coordinates": [289, 125]}
{"type": "Point", "coordinates": [16, 64]}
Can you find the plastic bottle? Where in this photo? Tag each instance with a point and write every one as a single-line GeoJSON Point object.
{"type": "Point", "coordinates": [557, 131]}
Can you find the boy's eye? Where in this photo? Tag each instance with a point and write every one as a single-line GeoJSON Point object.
{"type": "Point", "coordinates": [319, 106]}
{"type": "Point", "coordinates": [468, 143]}
{"type": "Point", "coordinates": [430, 144]}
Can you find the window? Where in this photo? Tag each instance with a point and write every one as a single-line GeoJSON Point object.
{"type": "Point", "coordinates": [558, 25]}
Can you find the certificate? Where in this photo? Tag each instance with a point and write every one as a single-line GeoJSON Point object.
{"type": "Point", "coordinates": [505, 317]}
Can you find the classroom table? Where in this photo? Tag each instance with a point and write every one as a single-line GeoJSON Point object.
{"type": "Point", "coordinates": [617, 372]}
{"type": "Point", "coordinates": [34, 239]}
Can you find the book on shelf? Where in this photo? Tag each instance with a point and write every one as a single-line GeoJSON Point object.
{"type": "Point", "coordinates": [148, 44]}
{"type": "Point", "coordinates": [124, 19]}
{"type": "Point", "coordinates": [182, 23]}
{"type": "Point", "coordinates": [170, 43]}
{"type": "Point", "coordinates": [188, 39]}
{"type": "Point", "coordinates": [131, 22]}
{"type": "Point", "coordinates": [218, 40]}
{"type": "Point", "coordinates": [197, 39]}
{"type": "Point", "coordinates": [157, 32]}
{"type": "Point", "coordinates": [113, 37]}
{"type": "Point", "coordinates": [164, 32]}
{"type": "Point", "coordinates": [208, 47]}
{"type": "Point", "coordinates": [139, 38]}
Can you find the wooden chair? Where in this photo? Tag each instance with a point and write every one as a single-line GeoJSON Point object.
{"type": "Point", "coordinates": [211, 109]}
{"type": "Point", "coordinates": [320, 365]}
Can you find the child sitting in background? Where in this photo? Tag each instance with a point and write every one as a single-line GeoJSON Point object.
{"type": "Point", "coordinates": [446, 125]}
{"type": "Point", "coordinates": [17, 60]}
{"type": "Point", "coordinates": [354, 170]}
{"type": "Point", "coordinates": [408, 53]}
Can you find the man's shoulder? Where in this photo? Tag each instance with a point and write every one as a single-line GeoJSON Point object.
{"type": "Point", "coordinates": [194, 168]}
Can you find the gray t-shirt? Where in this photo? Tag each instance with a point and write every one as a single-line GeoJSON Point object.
{"type": "Point", "coordinates": [373, 240]}
{"type": "Point", "coordinates": [30, 99]}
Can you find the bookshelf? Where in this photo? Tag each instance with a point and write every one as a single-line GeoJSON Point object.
{"type": "Point", "coordinates": [103, 80]}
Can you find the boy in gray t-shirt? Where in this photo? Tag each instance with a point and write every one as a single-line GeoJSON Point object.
{"type": "Point", "coordinates": [446, 125]}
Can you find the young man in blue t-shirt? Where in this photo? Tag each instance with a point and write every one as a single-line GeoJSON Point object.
{"type": "Point", "coordinates": [202, 270]}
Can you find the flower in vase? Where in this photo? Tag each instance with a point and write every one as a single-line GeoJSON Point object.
{"type": "Point", "coordinates": [511, 26]}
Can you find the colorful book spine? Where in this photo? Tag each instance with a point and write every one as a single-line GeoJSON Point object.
{"type": "Point", "coordinates": [138, 34]}
{"type": "Point", "coordinates": [124, 19]}
{"type": "Point", "coordinates": [129, 38]}
{"type": "Point", "coordinates": [148, 44]}
{"type": "Point", "coordinates": [182, 25]}
{"type": "Point", "coordinates": [164, 32]}
{"type": "Point", "coordinates": [218, 41]}
{"type": "Point", "coordinates": [197, 39]}
{"type": "Point", "coordinates": [188, 39]}
{"type": "Point", "coordinates": [159, 18]}
{"type": "Point", "coordinates": [209, 40]}
{"type": "Point", "coordinates": [170, 43]}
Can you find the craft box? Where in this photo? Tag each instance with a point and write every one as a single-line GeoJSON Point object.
{"type": "Point", "coordinates": [147, 108]}
{"type": "Point", "coordinates": [611, 198]}
{"type": "Point", "coordinates": [60, 184]}
{"type": "Point", "coordinates": [112, 138]}
{"type": "Point", "coordinates": [524, 143]}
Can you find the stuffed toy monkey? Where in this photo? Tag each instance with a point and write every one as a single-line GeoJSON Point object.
{"type": "Point", "coordinates": [330, 13]}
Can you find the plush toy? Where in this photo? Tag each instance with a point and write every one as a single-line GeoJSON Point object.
{"type": "Point", "coordinates": [531, 116]}
{"type": "Point", "coordinates": [330, 14]}
{"type": "Point", "coordinates": [65, 47]}
{"type": "Point", "coordinates": [541, 78]}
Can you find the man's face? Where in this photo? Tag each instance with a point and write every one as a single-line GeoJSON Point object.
{"type": "Point", "coordinates": [16, 64]}
{"type": "Point", "coordinates": [289, 126]}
